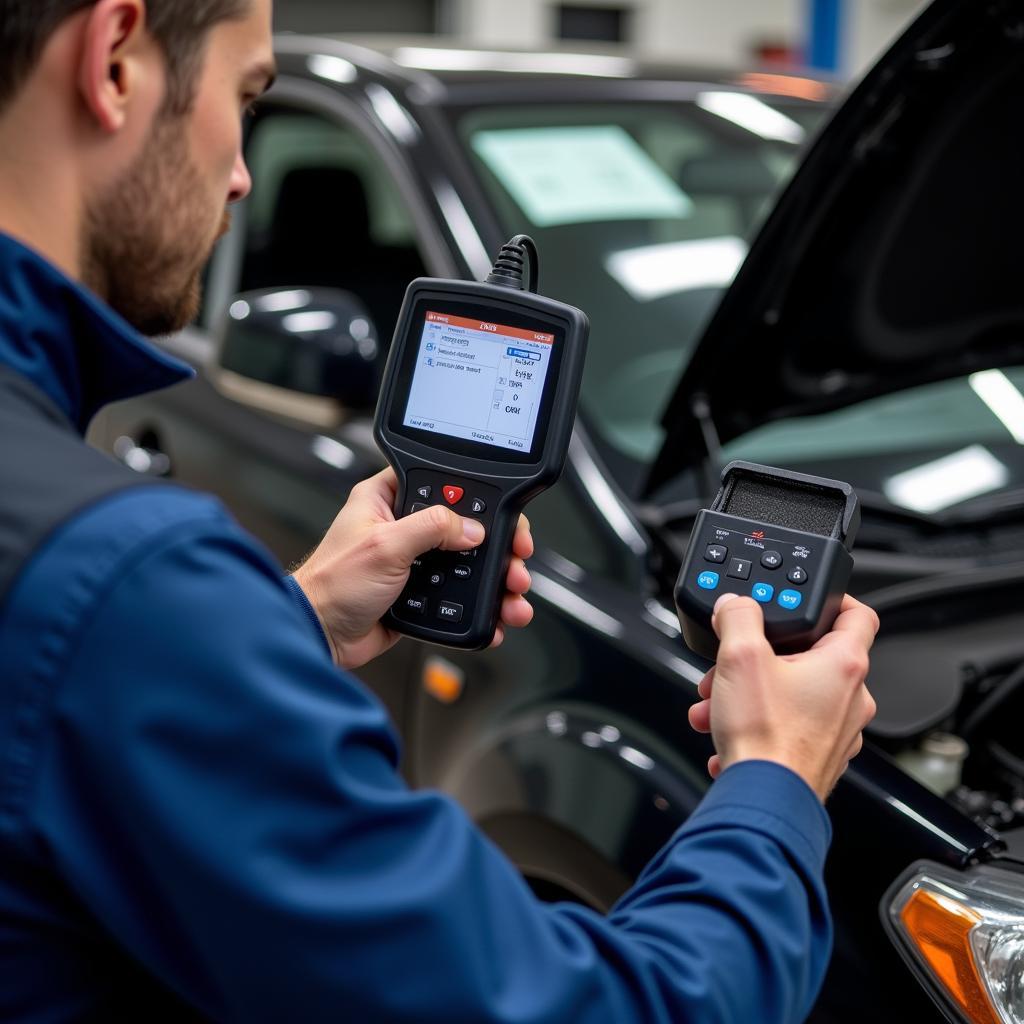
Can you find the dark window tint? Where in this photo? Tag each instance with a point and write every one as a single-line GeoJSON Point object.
{"type": "Point", "coordinates": [602, 24]}
{"type": "Point", "coordinates": [325, 211]}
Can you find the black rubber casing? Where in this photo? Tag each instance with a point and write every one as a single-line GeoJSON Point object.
{"type": "Point", "coordinates": [474, 580]}
{"type": "Point", "coordinates": [821, 517]}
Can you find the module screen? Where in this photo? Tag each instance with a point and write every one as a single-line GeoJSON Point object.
{"type": "Point", "coordinates": [479, 381]}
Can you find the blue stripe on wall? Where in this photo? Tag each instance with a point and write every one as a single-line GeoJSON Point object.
{"type": "Point", "coordinates": [823, 47]}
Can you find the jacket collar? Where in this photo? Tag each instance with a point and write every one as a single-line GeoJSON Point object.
{"type": "Point", "coordinates": [69, 343]}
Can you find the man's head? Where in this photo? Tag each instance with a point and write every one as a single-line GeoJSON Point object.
{"type": "Point", "coordinates": [139, 106]}
{"type": "Point", "coordinates": [178, 26]}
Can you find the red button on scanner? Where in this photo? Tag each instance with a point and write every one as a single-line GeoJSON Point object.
{"type": "Point", "coordinates": [453, 495]}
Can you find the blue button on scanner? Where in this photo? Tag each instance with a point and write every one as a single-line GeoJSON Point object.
{"type": "Point", "coordinates": [763, 592]}
{"type": "Point", "coordinates": [708, 581]}
{"type": "Point", "coordinates": [790, 599]}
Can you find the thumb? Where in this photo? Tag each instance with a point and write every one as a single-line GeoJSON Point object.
{"type": "Point", "coordinates": [434, 527]}
{"type": "Point", "coordinates": [739, 623]}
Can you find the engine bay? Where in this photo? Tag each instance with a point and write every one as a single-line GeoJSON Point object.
{"type": "Point", "coordinates": [947, 673]}
{"type": "Point", "coordinates": [947, 668]}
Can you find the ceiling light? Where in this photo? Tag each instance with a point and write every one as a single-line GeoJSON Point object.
{"type": "Point", "coordinates": [281, 302]}
{"type": "Point", "coordinates": [654, 271]}
{"type": "Point", "coordinates": [1001, 395]}
{"type": "Point", "coordinates": [334, 453]}
{"type": "Point", "coordinates": [334, 69]}
{"type": "Point", "coordinates": [437, 59]}
{"type": "Point", "coordinates": [753, 114]}
{"type": "Point", "coordinates": [310, 322]}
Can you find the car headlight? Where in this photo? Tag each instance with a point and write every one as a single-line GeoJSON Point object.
{"type": "Point", "coordinates": [962, 932]}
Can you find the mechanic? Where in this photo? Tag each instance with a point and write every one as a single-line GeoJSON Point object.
{"type": "Point", "coordinates": [200, 810]}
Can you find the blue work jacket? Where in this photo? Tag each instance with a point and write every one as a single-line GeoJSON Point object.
{"type": "Point", "coordinates": [200, 814]}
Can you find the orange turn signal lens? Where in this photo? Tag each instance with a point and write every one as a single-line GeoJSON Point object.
{"type": "Point", "coordinates": [443, 681]}
{"type": "Point", "coordinates": [940, 928]}
{"type": "Point", "coordinates": [961, 932]}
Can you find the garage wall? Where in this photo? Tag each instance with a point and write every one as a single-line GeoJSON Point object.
{"type": "Point", "coordinates": [722, 32]}
{"type": "Point", "coordinates": [718, 32]}
{"type": "Point", "coordinates": [356, 15]}
{"type": "Point", "coordinates": [725, 32]}
{"type": "Point", "coordinates": [869, 27]}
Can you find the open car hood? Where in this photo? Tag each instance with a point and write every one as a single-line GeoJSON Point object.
{"type": "Point", "coordinates": [896, 255]}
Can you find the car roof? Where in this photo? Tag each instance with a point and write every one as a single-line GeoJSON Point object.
{"type": "Point", "coordinates": [448, 64]}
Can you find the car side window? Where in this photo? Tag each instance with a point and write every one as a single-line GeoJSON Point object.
{"type": "Point", "coordinates": [325, 211]}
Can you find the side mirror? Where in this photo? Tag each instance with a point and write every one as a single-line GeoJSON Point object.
{"type": "Point", "coordinates": [282, 346]}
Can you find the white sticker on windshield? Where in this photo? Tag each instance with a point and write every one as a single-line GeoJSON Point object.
{"type": "Point", "coordinates": [571, 175]}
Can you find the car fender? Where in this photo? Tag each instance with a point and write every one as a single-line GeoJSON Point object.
{"type": "Point", "coordinates": [579, 803]}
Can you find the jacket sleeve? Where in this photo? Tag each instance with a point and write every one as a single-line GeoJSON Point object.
{"type": "Point", "coordinates": [227, 804]}
{"type": "Point", "coordinates": [306, 608]}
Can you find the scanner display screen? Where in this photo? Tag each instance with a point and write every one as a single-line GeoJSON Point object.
{"type": "Point", "coordinates": [479, 381]}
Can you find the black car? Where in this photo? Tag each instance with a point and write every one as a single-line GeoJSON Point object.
{"type": "Point", "coordinates": [874, 333]}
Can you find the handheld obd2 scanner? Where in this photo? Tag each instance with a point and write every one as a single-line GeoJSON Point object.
{"type": "Point", "coordinates": [476, 411]}
{"type": "Point", "coordinates": [780, 537]}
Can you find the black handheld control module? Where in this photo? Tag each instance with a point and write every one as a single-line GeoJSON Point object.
{"type": "Point", "coordinates": [476, 411]}
{"type": "Point", "coordinates": [783, 539]}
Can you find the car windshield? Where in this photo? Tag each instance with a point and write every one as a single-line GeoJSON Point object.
{"type": "Point", "coordinates": [927, 449]}
{"type": "Point", "coordinates": [643, 213]}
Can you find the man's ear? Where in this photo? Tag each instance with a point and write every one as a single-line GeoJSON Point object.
{"type": "Point", "coordinates": [114, 47]}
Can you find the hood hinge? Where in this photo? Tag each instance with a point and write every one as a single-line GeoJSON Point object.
{"type": "Point", "coordinates": [701, 409]}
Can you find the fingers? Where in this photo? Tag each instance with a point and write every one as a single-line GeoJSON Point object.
{"type": "Point", "coordinates": [380, 490]}
{"type": "Point", "coordinates": [846, 647]}
{"type": "Point", "coordinates": [440, 527]}
{"type": "Point", "coordinates": [739, 623]}
{"type": "Point", "coordinates": [434, 527]}
{"type": "Point", "coordinates": [522, 542]}
{"type": "Point", "coordinates": [863, 713]}
{"type": "Point", "coordinates": [854, 749]}
{"type": "Point", "coordinates": [870, 707]}
{"type": "Point", "coordinates": [518, 580]}
{"type": "Point", "coordinates": [856, 621]}
{"type": "Point", "coordinates": [516, 611]}
{"type": "Point", "coordinates": [700, 713]}
{"type": "Point", "coordinates": [736, 616]}
{"type": "Point", "coordinates": [700, 717]}
{"type": "Point", "coordinates": [714, 766]}
{"type": "Point", "coordinates": [705, 685]}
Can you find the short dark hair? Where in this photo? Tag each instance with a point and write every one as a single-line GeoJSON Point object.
{"type": "Point", "coordinates": [180, 28]}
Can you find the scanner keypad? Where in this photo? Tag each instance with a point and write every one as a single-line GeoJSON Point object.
{"type": "Point", "coordinates": [756, 575]}
{"type": "Point", "coordinates": [443, 585]}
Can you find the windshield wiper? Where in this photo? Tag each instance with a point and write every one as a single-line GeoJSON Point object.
{"type": "Point", "coordinates": [983, 510]}
{"type": "Point", "coordinates": [1003, 505]}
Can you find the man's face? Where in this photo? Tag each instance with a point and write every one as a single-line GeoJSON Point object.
{"type": "Point", "coordinates": [148, 237]}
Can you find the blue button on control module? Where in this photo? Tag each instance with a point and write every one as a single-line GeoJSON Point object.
{"type": "Point", "coordinates": [784, 539]}
{"type": "Point", "coordinates": [707, 580]}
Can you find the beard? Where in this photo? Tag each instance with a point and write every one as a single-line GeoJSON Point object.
{"type": "Point", "coordinates": [148, 237]}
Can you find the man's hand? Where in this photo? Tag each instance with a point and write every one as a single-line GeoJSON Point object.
{"type": "Point", "coordinates": [362, 565]}
{"type": "Point", "coordinates": [805, 711]}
